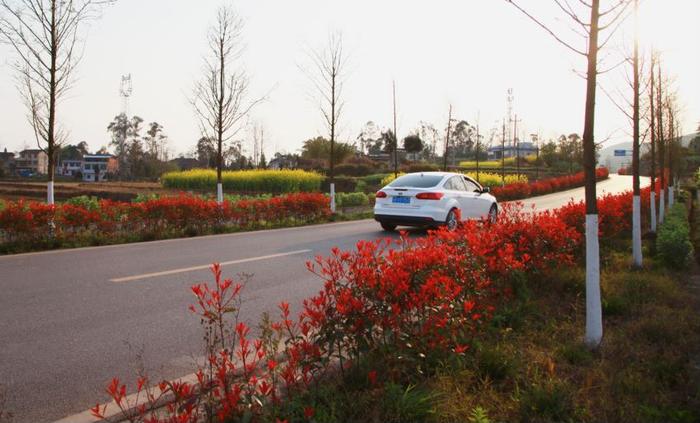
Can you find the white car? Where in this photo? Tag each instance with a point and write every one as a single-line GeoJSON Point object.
{"type": "Point", "coordinates": [430, 199]}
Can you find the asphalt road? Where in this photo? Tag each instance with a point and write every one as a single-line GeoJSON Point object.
{"type": "Point", "coordinates": [71, 320]}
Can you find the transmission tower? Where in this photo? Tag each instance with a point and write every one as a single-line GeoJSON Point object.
{"type": "Point", "coordinates": [125, 90]}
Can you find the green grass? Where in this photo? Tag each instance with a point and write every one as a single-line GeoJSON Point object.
{"type": "Point", "coordinates": [533, 365]}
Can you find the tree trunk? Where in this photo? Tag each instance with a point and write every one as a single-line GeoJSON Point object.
{"type": "Point", "coordinates": [332, 158]}
{"type": "Point", "coordinates": [662, 149]}
{"type": "Point", "coordinates": [51, 141]}
{"type": "Point", "coordinates": [636, 202]}
{"type": "Point", "coordinates": [671, 142]}
{"type": "Point", "coordinates": [220, 129]}
{"type": "Point", "coordinates": [652, 197]}
{"type": "Point", "coordinates": [594, 317]}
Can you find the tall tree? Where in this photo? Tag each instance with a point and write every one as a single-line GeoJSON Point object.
{"type": "Point", "coordinates": [413, 144]}
{"type": "Point", "coordinates": [220, 98]}
{"type": "Point", "coordinates": [45, 35]}
{"type": "Point", "coordinates": [156, 141]}
{"type": "Point", "coordinates": [652, 130]}
{"type": "Point", "coordinates": [599, 21]}
{"type": "Point", "coordinates": [660, 139]}
{"type": "Point", "coordinates": [327, 74]}
{"type": "Point", "coordinates": [206, 152]}
{"type": "Point", "coordinates": [430, 136]}
{"type": "Point", "coordinates": [636, 199]}
{"type": "Point", "coordinates": [368, 136]}
{"type": "Point", "coordinates": [125, 132]}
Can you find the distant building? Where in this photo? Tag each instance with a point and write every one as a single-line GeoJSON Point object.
{"type": "Point", "coordinates": [524, 149]}
{"type": "Point", "coordinates": [70, 167]}
{"type": "Point", "coordinates": [7, 163]}
{"type": "Point", "coordinates": [97, 167]}
{"type": "Point", "coordinates": [32, 162]}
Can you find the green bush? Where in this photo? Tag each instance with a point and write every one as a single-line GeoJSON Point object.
{"type": "Point", "coordinates": [351, 169]}
{"type": "Point", "coordinates": [142, 198]}
{"type": "Point", "coordinates": [374, 179]}
{"type": "Point", "coordinates": [351, 199]}
{"type": "Point", "coordinates": [342, 184]}
{"type": "Point", "coordinates": [89, 203]}
{"type": "Point", "coordinates": [420, 167]}
{"type": "Point", "coordinates": [673, 239]}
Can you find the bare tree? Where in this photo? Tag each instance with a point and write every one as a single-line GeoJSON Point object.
{"type": "Point", "coordinates": [590, 33]}
{"type": "Point", "coordinates": [673, 112]}
{"type": "Point", "coordinates": [652, 131]}
{"type": "Point", "coordinates": [660, 139]}
{"type": "Point", "coordinates": [45, 35]}
{"type": "Point", "coordinates": [220, 98]}
{"type": "Point", "coordinates": [327, 75]}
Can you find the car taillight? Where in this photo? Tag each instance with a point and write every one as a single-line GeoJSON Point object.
{"type": "Point", "coordinates": [429, 196]}
{"type": "Point", "coordinates": [381, 194]}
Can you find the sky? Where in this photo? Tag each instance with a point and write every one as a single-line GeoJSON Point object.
{"type": "Point", "coordinates": [464, 53]}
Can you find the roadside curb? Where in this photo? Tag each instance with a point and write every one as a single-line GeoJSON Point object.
{"type": "Point", "coordinates": [113, 414]}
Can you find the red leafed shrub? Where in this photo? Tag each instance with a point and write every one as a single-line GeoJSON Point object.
{"type": "Point", "coordinates": [520, 190]}
{"type": "Point", "coordinates": [31, 222]}
{"type": "Point", "coordinates": [16, 220]}
{"type": "Point", "coordinates": [614, 213]}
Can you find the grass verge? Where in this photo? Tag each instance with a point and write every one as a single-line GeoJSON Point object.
{"type": "Point", "coordinates": [532, 364]}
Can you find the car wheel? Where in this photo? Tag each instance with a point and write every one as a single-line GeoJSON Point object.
{"type": "Point", "coordinates": [388, 227]}
{"type": "Point", "coordinates": [451, 221]}
{"type": "Point", "coordinates": [493, 214]}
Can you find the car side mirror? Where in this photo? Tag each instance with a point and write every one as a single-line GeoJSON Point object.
{"type": "Point", "coordinates": [485, 190]}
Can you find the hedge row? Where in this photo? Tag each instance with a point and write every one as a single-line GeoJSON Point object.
{"type": "Point", "coordinates": [31, 224]}
{"type": "Point", "coordinates": [271, 181]}
{"type": "Point", "coordinates": [519, 191]}
{"type": "Point", "coordinates": [673, 238]}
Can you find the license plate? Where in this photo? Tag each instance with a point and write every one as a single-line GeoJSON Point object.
{"type": "Point", "coordinates": [401, 200]}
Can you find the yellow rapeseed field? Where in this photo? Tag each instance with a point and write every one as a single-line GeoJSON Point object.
{"type": "Point", "coordinates": [272, 181]}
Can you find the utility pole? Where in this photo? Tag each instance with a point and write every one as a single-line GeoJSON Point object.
{"type": "Point", "coordinates": [447, 140]}
{"type": "Point", "coordinates": [503, 154]}
{"type": "Point", "coordinates": [477, 147]}
{"type": "Point", "coordinates": [516, 140]}
{"type": "Point", "coordinates": [396, 137]}
{"type": "Point", "coordinates": [535, 142]}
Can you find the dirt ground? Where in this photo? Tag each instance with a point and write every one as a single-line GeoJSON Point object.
{"type": "Point", "coordinates": [119, 191]}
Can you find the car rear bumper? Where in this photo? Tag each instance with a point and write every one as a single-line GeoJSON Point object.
{"type": "Point", "coordinates": [407, 220]}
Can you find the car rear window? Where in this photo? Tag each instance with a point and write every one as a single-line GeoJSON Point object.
{"type": "Point", "coordinates": [416, 180]}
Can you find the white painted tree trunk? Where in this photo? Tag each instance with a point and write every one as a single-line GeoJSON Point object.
{"type": "Point", "coordinates": [652, 209]}
{"type": "Point", "coordinates": [671, 196]}
{"type": "Point", "coordinates": [662, 206]}
{"type": "Point", "coordinates": [49, 193]}
{"type": "Point", "coordinates": [594, 312]}
{"type": "Point", "coordinates": [333, 198]}
{"type": "Point", "coordinates": [219, 193]}
{"type": "Point", "coordinates": [637, 231]}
